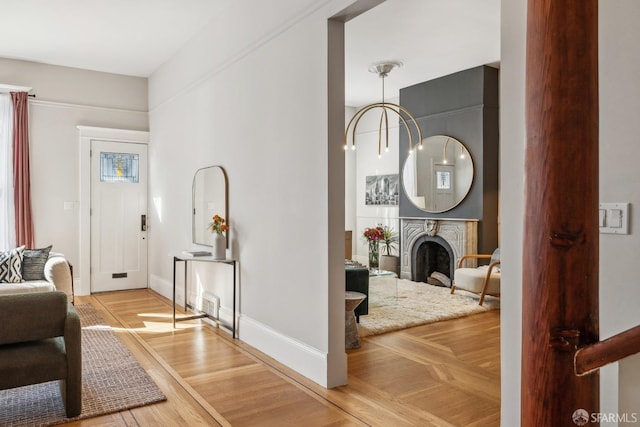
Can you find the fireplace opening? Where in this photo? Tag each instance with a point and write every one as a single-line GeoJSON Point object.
{"type": "Point", "coordinates": [433, 261]}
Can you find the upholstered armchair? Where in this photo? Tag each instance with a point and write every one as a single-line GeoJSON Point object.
{"type": "Point", "coordinates": [39, 342]}
{"type": "Point", "coordinates": [482, 280]}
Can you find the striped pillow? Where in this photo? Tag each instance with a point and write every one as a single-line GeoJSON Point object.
{"type": "Point", "coordinates": [11, 265]}
{"type": "Point", "coordinates": [33, 263]}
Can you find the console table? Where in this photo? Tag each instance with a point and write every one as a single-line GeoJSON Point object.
{"type": "Point", "coordinates": [182, 257]}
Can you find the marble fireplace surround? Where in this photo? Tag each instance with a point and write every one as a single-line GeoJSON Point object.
{"type": "Point", "coordinates": [460, 234]}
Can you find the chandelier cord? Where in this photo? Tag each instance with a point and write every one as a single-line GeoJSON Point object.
{"type": "Point", "coordinates": [384, 120]}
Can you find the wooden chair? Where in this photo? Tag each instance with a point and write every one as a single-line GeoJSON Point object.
{"type": "Point", "coordinates": [482, 280]}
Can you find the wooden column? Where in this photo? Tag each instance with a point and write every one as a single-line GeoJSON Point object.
{"type": "Point", "coordinates": [560, 271]}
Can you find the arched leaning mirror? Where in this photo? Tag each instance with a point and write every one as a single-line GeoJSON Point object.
{"type": "Point", "coordinates": [209, 197]}
{"type": "Point", "coordinates": [438, 177]}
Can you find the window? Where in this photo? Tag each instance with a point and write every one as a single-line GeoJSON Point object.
{"type": "Point", "coordinates": [119, 167]}
{"type": "Point", "coordinates": [443, 180]}
{"type": "Point", "coordinates": [7, 212]}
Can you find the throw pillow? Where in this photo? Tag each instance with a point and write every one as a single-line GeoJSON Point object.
{"type": "Point", "coordinates": [11, 265]}
{"type": "Point", "coordinates": [33, 263]}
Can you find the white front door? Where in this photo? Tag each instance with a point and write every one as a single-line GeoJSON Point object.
{"type": "Point", "coordinates": [445, 187]}
{"type": "Point", "coordinates": [118, 216]}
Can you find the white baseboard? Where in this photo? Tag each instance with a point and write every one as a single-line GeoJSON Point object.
{"type": "Point", "coordinates": [163, 287]}
{"type": "Point", "coordinates": [306, 360]}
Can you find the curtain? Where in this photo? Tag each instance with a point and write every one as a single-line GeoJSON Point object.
{"type": "Point", "coordinates": [7, 210]}
{"type": "Point", "coordinates": [21, 180]}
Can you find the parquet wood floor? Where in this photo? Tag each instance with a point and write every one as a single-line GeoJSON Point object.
{"type": "Point", "coordinates": [442, 374]}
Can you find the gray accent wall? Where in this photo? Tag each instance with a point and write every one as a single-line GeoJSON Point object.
{"type": "Point", "coordinates": [463, 105]}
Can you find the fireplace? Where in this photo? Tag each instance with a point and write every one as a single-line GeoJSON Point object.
{"type": "Point", "coordinates": [431, 254]}
{"type": "Point", "coordinates": [429, 245]}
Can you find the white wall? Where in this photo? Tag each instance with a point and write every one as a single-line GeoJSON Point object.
{"type": "Point", "coordinates": [65, 98]}
{"type": "Point", "coordinates": [250, 94]}
{"type": "Point", "coordinates": [350, 180]}
{"type": "Point", "coordinates": [366, 162]}
{"type": "Point", "coordinates": [512, 142]}
{"type": "Point", "coordinates": [619, 182]}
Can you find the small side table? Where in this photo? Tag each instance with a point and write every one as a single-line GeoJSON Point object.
{"type": "Point", "coordinates": [351, 301]}
{"type": "Point", "coordinates": [185, 259]}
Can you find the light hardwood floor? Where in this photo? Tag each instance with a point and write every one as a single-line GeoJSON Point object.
{"type": "Point", "coordinates": [442, 374]}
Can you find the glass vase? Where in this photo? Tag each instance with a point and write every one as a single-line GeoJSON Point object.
{"type": "Point", "coordinates": [374, 254]}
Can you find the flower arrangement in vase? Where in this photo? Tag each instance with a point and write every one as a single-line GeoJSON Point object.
{"type": "Point", "coordinates": [218, 227]}
{"type": "Point", "coordinates": [373, 236]}
{"type": "Point", "coordinates": [389, 261]}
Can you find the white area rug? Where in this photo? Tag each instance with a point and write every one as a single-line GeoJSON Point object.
{"type": "Point", "coordinates": [397, 304]}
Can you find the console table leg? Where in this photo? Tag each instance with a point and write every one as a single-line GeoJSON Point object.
{"type": "Point", "coordinates": [174, 292]}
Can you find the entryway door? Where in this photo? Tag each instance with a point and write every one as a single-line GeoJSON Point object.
{"type": "Point", "coordinates": [444, 196]}
{"type": "Point", "coordinates": [118, 216]}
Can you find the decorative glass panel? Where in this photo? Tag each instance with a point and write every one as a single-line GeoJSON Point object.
{"type": "Point", "coordinates": [119, 167]}
{"type": "Point", "coordinates": [443, 180]}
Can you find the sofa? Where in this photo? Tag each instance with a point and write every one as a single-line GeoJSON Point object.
{"type": "Point", "coordinates": [357, 279]}
{"type": "Point", "coordinates": [41, 271]}
{"type": "Point", "coordinates": [40, 341]}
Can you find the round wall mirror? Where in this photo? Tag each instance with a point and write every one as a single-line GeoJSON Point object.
{"type": "Point", "coordinates": [438, 177]}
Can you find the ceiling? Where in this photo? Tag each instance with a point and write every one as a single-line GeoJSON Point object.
{"type": "Point", "coordinates": [132, 37]}
{"type": "Point", "coordinates": [431, 38]}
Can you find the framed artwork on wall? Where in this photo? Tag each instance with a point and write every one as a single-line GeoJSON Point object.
{"type": "Point", "coordinates": [382, 190]}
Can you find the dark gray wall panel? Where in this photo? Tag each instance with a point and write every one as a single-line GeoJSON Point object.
{"type": "Point", "coordinates": [463, 105]}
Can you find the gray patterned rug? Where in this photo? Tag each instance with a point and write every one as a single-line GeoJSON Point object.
{"type": "Point", "coordinates": [112, 381]}
{"type": "Point", "coordinates": [396, 304]}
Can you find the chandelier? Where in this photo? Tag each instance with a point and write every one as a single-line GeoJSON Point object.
{"type": "Point", "coordinates": [383, 69]}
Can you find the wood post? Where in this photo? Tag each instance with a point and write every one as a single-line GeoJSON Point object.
{"type": "Point", "coordinates": [560, 265]}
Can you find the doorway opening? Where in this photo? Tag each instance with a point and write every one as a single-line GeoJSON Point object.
{"type": "Point", "coordinates": [87, 136]}
{"type": "Point", "coordinates": [351, 200]}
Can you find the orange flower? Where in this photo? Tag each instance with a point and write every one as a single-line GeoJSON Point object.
{"type": "Point", "coordinates": [218, 226]}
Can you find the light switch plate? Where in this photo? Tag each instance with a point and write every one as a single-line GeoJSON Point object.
{"type": "Point", "coordinates": [614, 218]}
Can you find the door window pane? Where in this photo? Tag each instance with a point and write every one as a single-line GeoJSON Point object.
{"type": "Point", "coordinates": [443, 180]}
{"type": "Point", "coordinates": [119, 167]}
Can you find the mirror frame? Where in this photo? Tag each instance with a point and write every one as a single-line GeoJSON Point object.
{"type": "Point", "coordinates": [416, 152]}
{"type": "Point", "coordinates": [193, 203]}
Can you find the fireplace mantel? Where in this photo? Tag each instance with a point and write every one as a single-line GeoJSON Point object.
{"type": "Point", "coordinates": [460, 234]}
